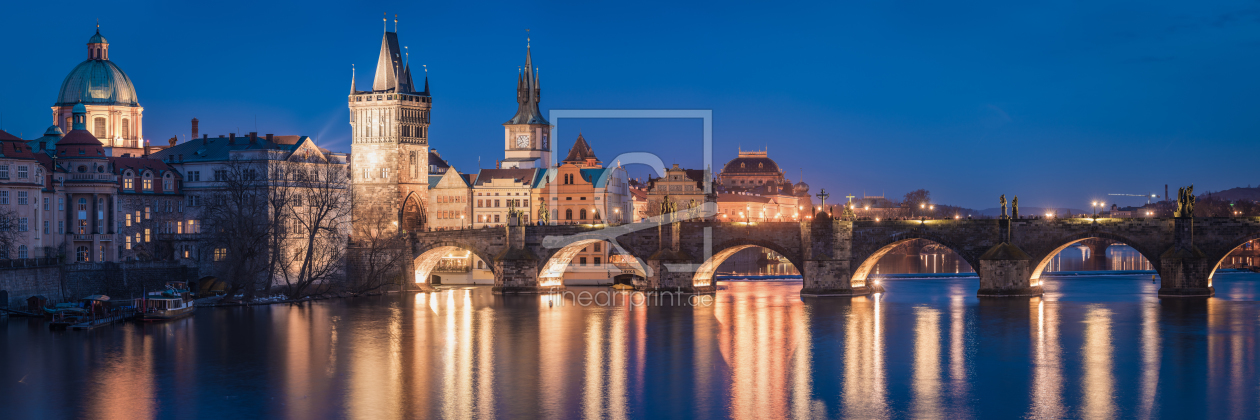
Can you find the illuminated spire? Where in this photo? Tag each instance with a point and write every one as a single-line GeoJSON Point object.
{"type": "Point", "coordinates": [352, 89]}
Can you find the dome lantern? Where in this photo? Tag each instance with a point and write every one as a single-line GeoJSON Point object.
{"type": "Point", "coordinates": [98, 47]}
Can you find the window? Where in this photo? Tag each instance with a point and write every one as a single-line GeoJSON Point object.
{"type": "Point", "coordinates": [147, 236]}
{"type": "Point", "coordinates": [496, 203]}
{"type": "Point", "coordinates": [582, 261]}
{"type": "Point", "coordinates": [597, 246]}
{"type": "Point", "coordinates": [61, 227]}
{"type": "Point", "coordinates": [81, 254]}
{"type": "Point", "coordinates": [82, 226]}
{"type": "Point", "coordinates": [148, 184]}
{"type": "Point", "coordinates": [23, 171]}
{"type": "Point", "coordinates": [22, 198]}
{"type": "Point", "coordinates": [146, 213]}
{"type": "Point", "coordinates": [82, 208]}
{"type": "Point", "coordinates": [367, 174]}
{"type": "Point", "coordinates": [128, 242]}
{"type": "Point", "coordinates": [129, 221]}
{"type": "Point", "coordinates": [99, 130]}
{"type": "Point", "coordinates": [4, 197]}
{"type": "Point", "coordinates": [46, 227]}
{"type": "Point", "coordinates": [596, 261]}
{"type": "Point", "coordinates": [496, 218]}
{"type": "Point", "coordinates": [22, 224]}
{"type": "Point", "coordinates": [187, 251]}
{"type": "Point", "coordinates": [220, 175]}
{"type": "Point", "coordinates": [22, 252]}
{"type": "Point", "coordinates": [4, 171]}
{"type": "Point", "coordinates": [194, 175]}
{"type": "Point", "coordinates": [128, 183]}
{"type": "Point", "coordinates": [220, 254]}
{"type": "Point", "coordinates": [582, 214]}
{"type": "Point", "coordinates": [46, 200]}
{"type": "Point", "coordinates": [568, 214]}
{"type": "Point", "coordinates": [194, 226]}
{"type": "Point", "coordinates": [126, 128]}
{"type": "Point", "coordinates": [61, 203]}
{"type": "Point", "coordinates": [194, 200]}
{"type": "Point", "coordinates": [168, 183]}
{"type": "Point", "coordinates": [384, 173]}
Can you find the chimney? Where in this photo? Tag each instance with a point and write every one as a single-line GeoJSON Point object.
{"type": "Point", "coordinates": [1166, 192]}
{"type": "Point", "coordinates": [231, 138]}
{"type": "Point", "coordinates": [269, 138]}
{"type": "Point", "coordinates": [253, 137]}
{"type": "Point", "coordinates": [205, 139]}
{"type": "Point", "coordinates": [194, 129]}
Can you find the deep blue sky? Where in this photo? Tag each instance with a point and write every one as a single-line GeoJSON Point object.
{"type": "Point", "coordinates": [1060, 104]}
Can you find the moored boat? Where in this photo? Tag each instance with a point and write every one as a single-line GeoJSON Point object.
{"type": "Point", "coordinates": [172, 303]}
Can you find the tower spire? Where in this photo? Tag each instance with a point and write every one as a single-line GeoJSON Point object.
{"type": "Point", "coordinates": [395, 23]}
{"type": "Point", "coordinates": [352, 89]}
{"type": "Point", "coordinates": [384, 21]}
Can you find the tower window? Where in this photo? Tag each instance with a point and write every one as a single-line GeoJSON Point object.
{"type": "Point", "coordinates": [99, 127]}
{"type": "Point", "coordinates": [126, 128]}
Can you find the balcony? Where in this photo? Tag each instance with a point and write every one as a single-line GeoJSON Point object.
{"type": "Point", "coordinates": [93, 177]}
{"type": "Point", "coordinates": [103, 237]}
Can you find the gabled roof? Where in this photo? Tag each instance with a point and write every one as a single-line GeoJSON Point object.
{"type": "Point", "coordinates": [218, 148]}
{"type": "Point", "coordinates": [580, 152]}
{"type": "Point", "coordinates": [139, 165]}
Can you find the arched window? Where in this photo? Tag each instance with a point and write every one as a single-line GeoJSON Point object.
{"type": "Point", "coordinates": [148, 181]}
{"type": "Point", "coordinates": [582, 214]}
{"type": "Point", "coordinates": [168, 182]}
{"type": "Point", "coordinates": [81, 254]}
{"type": "Point", "coordinates": [568, 214]}
{"type": "Point", "coordinates": [82, 204]}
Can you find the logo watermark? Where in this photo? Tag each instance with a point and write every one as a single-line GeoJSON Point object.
{"type": "Point", "coordinates": [612, 298]}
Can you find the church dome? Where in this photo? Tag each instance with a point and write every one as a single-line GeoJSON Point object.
{"type": "Point", "coordinates": [97, 39]}
{"type": "Point", "coordinates": [751, 164]}
{"type": "Point", "coordinates": [97, 82]}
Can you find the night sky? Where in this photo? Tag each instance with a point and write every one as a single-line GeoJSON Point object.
{"type": "Point", "coordinates": [1060, 104]}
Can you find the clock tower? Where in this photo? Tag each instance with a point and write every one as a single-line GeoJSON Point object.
{"type": "Point", "coordinates": [526, 137]}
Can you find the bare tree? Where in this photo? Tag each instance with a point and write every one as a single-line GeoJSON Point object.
{"type": "Point", "coordinates": [379, 251]}
{"type": "Point", "coordinates": [319, 225]}
{"type": "Point", "coordinates": [237, 225]}
{"type": "Point", "coordinates": [9, 233]}
{"type": "Point", "coordinates": [916, 202]}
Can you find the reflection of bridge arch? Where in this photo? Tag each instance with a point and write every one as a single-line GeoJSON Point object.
{"type": "Point", "coordinates": [868, 261]}
{"type": "Point", "coordinates": [704, 274]}
{"type": "Point", "coordinates": [431, 254]}
{"type": "Point", "coordinates": [1043, 258]}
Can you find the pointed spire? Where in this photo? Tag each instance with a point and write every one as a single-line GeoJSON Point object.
{"type": "Point", "coordinates": [527, 91]}
{"type": "Point", "coordinates": [352, 89]}
{"type": "Point", "coordinates": [387, 64]}
{"type": "Point", "coordinates": [426, 79]}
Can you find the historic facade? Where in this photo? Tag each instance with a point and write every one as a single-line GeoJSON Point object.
{"type": "Point", "coordinates": [113, 112]}
{"type": "Point", "coordinates": [390, 140]}
{"type": "Point", "coordinates": [752, 188]}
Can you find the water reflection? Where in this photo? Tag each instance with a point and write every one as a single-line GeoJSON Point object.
{"type": "Point", "coordinates": [928, 348]}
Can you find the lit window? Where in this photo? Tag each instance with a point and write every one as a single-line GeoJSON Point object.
{"type": "Point", "coordinates": [147, 238]}
{"type": "Point", "coordinates": [220, 254]}
{"type": "Point", "coordinates": [128, 221]}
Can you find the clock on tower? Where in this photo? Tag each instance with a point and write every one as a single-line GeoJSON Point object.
{"type": "Point", "coordinates": [522, 141]}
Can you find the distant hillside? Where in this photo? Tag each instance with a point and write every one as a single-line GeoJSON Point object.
{"type": "Point", "coordinates": [1030, 211]}
{"type": "Point", "coordinates": [1234, 194]}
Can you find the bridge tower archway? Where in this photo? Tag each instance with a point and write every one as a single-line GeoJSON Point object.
{"type": "Point", "coordinates": [411, 216]}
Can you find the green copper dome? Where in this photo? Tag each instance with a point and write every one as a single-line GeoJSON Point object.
{"type": "Point", "coordinates": [97, 82]}
{"type": "Point", "coordinates": [97, 39]}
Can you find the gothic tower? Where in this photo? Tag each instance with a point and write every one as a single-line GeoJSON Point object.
{"type": "Point", "coordinates": [526, 137]}
{"type": "Point", "coordinates": [390, 141]}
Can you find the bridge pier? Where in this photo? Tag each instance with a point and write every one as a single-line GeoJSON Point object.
{"type": "Point", "coordinates": [832, 278]}
{"type": "Point", "coordinates": [1005, 270]}
{"type": "Point", "coordinates": [516, 269]}
{"type": "Point", "coordinates": [1184, 270]}
{"type": "Point", "coordinates": [671, 268]}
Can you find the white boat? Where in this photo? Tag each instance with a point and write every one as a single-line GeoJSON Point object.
{"type": "Point", "coordinates": [172, 303]}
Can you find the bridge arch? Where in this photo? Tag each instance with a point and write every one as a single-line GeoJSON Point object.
{"type": "Point", "coordinates": [1043, 259]}
{"type": "Point", "coordinates": [722, 251]}
{"type": "Point", "coordinates": [869, 261]}
{"type": "Point", "coordinates": [411, 215]}
{"type": "Point", "coordinates": [1220, 257]}
{"type": "Point", "coordinates": [430, 254]}
{"type": "Point", "coordinates": [551, 272]}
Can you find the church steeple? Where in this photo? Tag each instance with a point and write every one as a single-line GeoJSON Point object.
{"type": "Point", "coordinates": [528, 94]}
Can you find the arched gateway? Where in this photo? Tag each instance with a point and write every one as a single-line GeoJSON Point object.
{"type": "Point", "coordinates": [835, 257]}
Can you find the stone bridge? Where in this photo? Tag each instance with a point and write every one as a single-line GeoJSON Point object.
{"type": "Point", "coordinates": [836, 257]}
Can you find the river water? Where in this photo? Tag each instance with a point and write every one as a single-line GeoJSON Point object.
{"type": "Point", "coordinates": [1095, 346]}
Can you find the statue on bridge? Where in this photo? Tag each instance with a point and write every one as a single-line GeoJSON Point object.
{"type": "Point", "coordinates": [1002, 200]}
{"type": "Point", "coordinates": [1015, 207]}
{"type": "Point", "coordinates": [668, 206]}
{"type": "Point", "coordinates": [544, 216]}
{"type": "Point", "coordinates": [1185, 202]}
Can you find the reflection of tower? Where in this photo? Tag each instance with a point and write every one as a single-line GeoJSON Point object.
{"type": "Point", "coordinates": [526, 137]}
{"type": "Point", "coordinates": [390, 145]}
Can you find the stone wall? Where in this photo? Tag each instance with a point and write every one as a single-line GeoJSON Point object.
{"type": "Point", "coordinates": [61, 283]}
